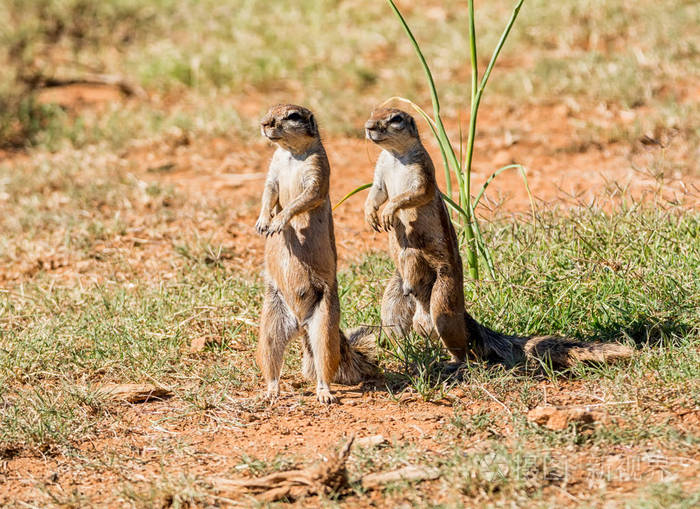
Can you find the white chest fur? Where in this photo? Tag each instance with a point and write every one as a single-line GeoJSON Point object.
{"type": "Point", "coordinates": [290, 175]}
{"type": "Point", "coordinates": [396, 175]}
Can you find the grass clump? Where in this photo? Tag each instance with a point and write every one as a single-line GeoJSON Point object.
{"type": "Point", "coordinates": [592, 275]}
{"type": "Point", "coordinates": [199, 60]}
{"type": "Point", "coordinates": [22, 118]}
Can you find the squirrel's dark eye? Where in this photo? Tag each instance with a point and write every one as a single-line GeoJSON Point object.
{"type": "Point", "coordinates": [396, 119]}
{"type": "Point", "coordinates": [295, 117]}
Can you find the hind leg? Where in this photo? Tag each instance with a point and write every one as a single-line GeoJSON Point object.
{"type": "Point", "coordinates": [277, 327]}
{"type": "Point", "coordinates": [422, 320]}
{"type": "Point", "coordinates": [307, 361]}
{"type": "Point", "coordinates": [418, 278]}
{"type": "Point", "coordinates": [416, 274]}
{"type": "Point", "coordinates": [324, 340]}
{"type": "Point", "coordinates": [397, 308]}
{"type": "Point", "coordinates": [447, 313]}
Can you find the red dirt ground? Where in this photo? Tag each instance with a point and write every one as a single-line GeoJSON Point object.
{"type": "Point", "coordinates": [563, 171]}
{"type": "Point", "coordinates": [212, 444]}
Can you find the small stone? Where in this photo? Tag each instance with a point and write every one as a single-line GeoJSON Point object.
{"type": "Point", "coordinates": [198, 344]}
{"type": "Point", "coordinates": [371, 441]}
{"type": "Point", "coordinates": [558, 419]}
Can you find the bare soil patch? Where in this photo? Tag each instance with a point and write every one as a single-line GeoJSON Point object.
{"type": "Point", "coordinates": [172, 440]}
{"type": "Point", "coordinates": [160, 439]}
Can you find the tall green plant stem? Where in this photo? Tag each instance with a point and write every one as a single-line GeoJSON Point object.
{"type": "Point", "coordinates": [462, 170]}
{"type": "Point", "coordinates": [446, 148]}
{"type": "Point", "coordinates": [476, 93]}
{"type": "Point", "coordinates": [465, 193]}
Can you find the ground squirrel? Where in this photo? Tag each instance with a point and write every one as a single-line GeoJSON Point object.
{"type": "Point", "coordinates": [301, 289]}
{"type": "Point", "coordinates": [426, 293]}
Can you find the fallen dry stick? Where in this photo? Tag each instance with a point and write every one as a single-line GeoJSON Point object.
{"type": "Point", "coordinates": [323, 478]}
{"type": "Point", "coordinates": [134, 393]}
{"type": "Point", "coordinates": [371, 441]}
{"type": "Point", "coordinates": [38, 80]}
{"type": "Point", "coordinates": [410, 473]}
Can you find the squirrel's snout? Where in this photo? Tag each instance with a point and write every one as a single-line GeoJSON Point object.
{"type": "Point", "coordinates": [271, 133]}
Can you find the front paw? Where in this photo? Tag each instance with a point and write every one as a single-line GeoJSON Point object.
{"type": "Point", "coordinates": [276, 225]}
{"type": "Point", "coordinates": [388, 220]}
{"type": "Point", "coordinates": [262, 225]}
{"type": "Point", "coordinates": [372, 219]}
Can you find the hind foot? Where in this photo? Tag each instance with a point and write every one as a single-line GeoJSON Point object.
{"type": "Point", "coordinates": [323, 393]}
{"type": "Point", "coordinates": [453, 367]}
{"type": "Point", "coordinates": [273, 391]}
{"type": "Point", "coordinates": [423, 323]}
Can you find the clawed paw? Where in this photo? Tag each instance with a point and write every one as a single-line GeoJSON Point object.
{"type": "Point", "coordinates": [262, 225]}
{"type": "Point", "coordinates": [372, 220]}
{"type": "Point", "coordinates": [276, 225]}
{"type": "Point", "coordinates": [388, 219]}
{"type": "Point", "coordinates": [453, 367]}
{"type": "Point", "coordinates": [325, 397]}
{"type": "Point", "coordinates": [273, 392]}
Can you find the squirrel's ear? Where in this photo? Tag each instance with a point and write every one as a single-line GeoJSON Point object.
{"type": "Point", "coordinates": [412, 126]}
{"type": "Point", "coordinates": [313, 127]}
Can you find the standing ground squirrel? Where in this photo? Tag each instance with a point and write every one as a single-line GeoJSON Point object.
{"type": "Point", "coordinates": [426, 292]}
{"type": "Point", "coordinates": [301, 289]}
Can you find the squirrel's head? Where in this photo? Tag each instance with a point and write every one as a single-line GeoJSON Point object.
{"type": "Point", "coordinates": [392, 129]}
{"type": "Point", "coordinates": [290, 126]}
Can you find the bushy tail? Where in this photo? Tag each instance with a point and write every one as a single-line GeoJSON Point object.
{"type": "Point", "coordinates": [551, 350]}
{"type": "Point", "coordinates": [358, 356]}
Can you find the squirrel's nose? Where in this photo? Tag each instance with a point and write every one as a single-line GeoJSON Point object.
{"type": "Point", "coordinates": [371, 125]}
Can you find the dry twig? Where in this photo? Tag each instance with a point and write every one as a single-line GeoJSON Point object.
{"type": "Point", "coordinates": [320, 479]}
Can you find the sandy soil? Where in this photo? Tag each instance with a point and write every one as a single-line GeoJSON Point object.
{"type": "Point", "coordinates": [563, 171]}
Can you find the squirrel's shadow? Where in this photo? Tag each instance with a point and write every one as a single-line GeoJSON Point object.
{"type": "Point", "coordinates": [434, 372]}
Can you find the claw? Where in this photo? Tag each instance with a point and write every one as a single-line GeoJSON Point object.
{"type": "Point", "coordinates": [372, 220]}
{"type": "Point", "coordinates": [273, 392]}
{"type": "Point", "coordinates": [261, 227]}
{"type": "Point", "coordinates": [323, 393]}
{"type": "Point", "coordinates": [388, 219]}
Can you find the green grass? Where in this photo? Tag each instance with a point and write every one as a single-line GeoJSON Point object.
{"type": "Point", "coordinates": [110, 274]}
{"type": "Point", "coordinates": [626, 276]}
{"type": "Point", "coordinates": [204, 53]}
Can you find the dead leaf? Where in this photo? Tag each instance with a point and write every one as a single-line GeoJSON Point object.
{"type": "Point", "coordinates": [198, 344]}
